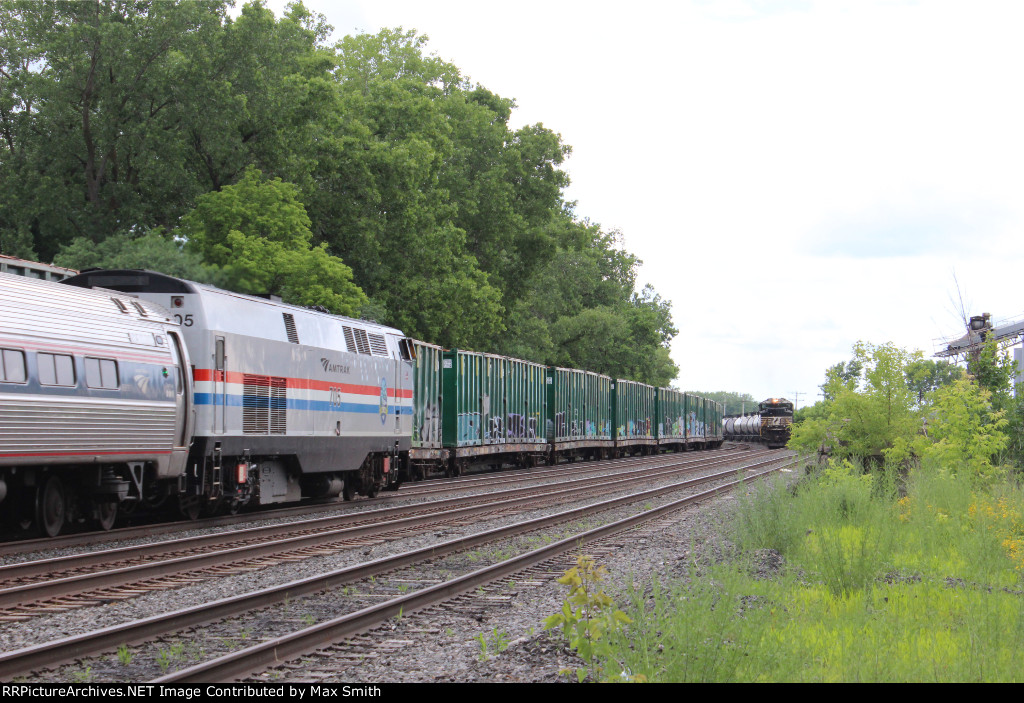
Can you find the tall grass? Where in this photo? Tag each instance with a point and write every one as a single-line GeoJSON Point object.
{"type": "Point", "coordinates": [877, 585]}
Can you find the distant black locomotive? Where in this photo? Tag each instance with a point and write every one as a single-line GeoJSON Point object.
{"type": "Point", "coordinates": [770, 425]}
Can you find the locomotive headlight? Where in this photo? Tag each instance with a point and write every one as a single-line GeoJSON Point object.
{"type": "Point", "coordinates": [177, 301]}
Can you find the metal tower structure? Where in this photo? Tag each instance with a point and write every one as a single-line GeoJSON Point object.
{"type": "Point", "coordinates": [980, 329]}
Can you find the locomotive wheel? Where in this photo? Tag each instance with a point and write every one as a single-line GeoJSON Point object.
{"type": "Point", "coordinates": [106, 515]}
{"type": "Point", "coordinates": [51, 506]}
{"type": "Point", "coordinates": [372, 492]}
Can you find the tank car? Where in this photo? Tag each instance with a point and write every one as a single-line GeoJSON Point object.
{"type": "Point", "coordinates": [289, 402]}
{"type": "Point", "coordinates": [94, 403]}
{"type": "Point", "coordinates": [770, 425]}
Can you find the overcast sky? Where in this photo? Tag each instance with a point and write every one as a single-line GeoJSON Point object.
{"type": "Point", "coordinates": [795, 174]}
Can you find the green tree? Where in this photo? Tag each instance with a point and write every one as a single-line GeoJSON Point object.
{"type": "Point", "coordinates": [155, 251]}
{"type": "Point", "coordinates": [119, 119]}
{"type": "Point", "coordinates": [871, 415]}
{"type": "Point", "coordinates": [580, 309]}
{"type": "Point", "coordinates": [964, 431]}
{"type": "Point", "coordinates": [732, 402]}
{"type": "Point", "coordinates": [926, 375]}
{"type": "Point", "coordinates": [840, 377]}
{"type": "Point", "coordinates": [994, 371]}
{"type": "Point", "coordinates": [88, 105]}
{"type": "Point", "coordinates": [117, 115]}
{"type": "Point", "coordinates": [383, 203]}
{"type": "Point", "coordinates": [257, 233]}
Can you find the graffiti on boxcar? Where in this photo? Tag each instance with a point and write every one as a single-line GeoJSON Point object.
{"type": "Point", "coordinates": [520, 426]}
{"type": "Point", "coordinates": [694, 427]}
{"type": "Point", "coordinates": [515, 426]}
{"type": "Point", "coordinates": [468, 426]}
{"type": "Point", "coordinates": [564, 428]}
{"type": "Point", "coordinates": [495, 428]}
{"type": "Point", "coordinates": [427, 429]}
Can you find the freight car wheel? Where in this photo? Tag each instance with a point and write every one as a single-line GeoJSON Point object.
{"type": "Point", "coordinates": [106, 515]}
{"type": "Point", "coordinates": [51, 506]}
{"type": "Point", "coordinates": [346, 492]}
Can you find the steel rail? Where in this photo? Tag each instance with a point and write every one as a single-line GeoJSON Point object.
{"type": "Point", "coordinates": [327, 525]}
{"type": "Point", "coordinates": [77, 584]}
{"type": "Point", "coordinates": [93, 643]}
{"type": "Point", "coordinates": [411, 490]}
{"type": "Point", "coordinates": [278, 649]}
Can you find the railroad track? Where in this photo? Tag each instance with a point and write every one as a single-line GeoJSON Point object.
{"type": "Point", "coordinates": [14, 549]}
{"type": "Point", "coordinates": [18, 663]}
{"type": "Point", "coordinates": [55, 585]}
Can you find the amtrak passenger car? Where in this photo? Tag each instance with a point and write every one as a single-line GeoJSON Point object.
{"type": "Point", "coordinates": [289, 402]}
{"type": "Point", "coordinates": [94, 394]}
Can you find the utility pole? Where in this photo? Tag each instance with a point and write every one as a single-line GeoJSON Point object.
{"type": "Point", "coordinates": [796, 400]}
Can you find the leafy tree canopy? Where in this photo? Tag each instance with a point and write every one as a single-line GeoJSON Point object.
{"type": "Point", "coordinates": [899, 406]}
{"type": "Point", "coordinates": [257, 233]}
{"type": "Point", "coordinates": [369, 176]}
{"type": "Point", "coordinates": [733, 403]}
{"type": "Point", "coordinates": [154, 250]}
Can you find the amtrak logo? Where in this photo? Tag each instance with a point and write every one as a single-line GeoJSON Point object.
{"type": "Point", "coordinates": [383, 401]}
{"type": "Point", "coordinates": [332, 367]}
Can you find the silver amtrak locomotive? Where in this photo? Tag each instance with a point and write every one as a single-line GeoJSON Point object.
{"type": "Point", "coordinates": [288, 402]}
{"type": "Point", "coordinates": [94, 403]}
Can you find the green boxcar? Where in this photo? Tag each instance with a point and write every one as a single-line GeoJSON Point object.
{"type": "Point", "coordinates": [427, 400]}
{"type": "Point", "coordinates": [461, 384]}
{"type": "Point", "coordinates": [579, 411]}
{"type": "Point", "coordinates": [526, 402]}
{"type": "Point", "coordinates": [713, 423]}
{"type": "Point", "coordinates": [635, 408]}
{"type": "Point", "coordinates": [671, 416]}
{"type": "Point", "coordinates": [492, 404]}
{"type": "Point", "coordinates": [694, 419]}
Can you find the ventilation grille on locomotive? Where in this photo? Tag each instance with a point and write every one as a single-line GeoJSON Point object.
{"type": "Point", "coordinates": [264, 405]}
{"type": "Point", "coordinates": [378, 346]}
{"type": "Point", "coordinates": [289, 327]}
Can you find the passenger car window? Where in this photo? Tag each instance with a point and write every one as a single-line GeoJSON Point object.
{"type": "Point", "coordinates": [101, 373]}
{"type": "Point", "coordinates": [56, 369]}
{"type": "Point", "coordinates": [12, 366]}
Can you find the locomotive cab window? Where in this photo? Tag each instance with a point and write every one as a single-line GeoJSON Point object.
{"type": "Point", "coordinates": [12, 366]}
{"type": "Point", "coordinates": [406, 349]}
{"type": "Point", "coordinates": [101, 373]}
{"type": "Point", "coordinates": [56, 369]}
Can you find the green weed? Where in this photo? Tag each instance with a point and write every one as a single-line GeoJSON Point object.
{"type": "Point", "coordinates": [881, 578]}
{"type": "Point", "coordinates": [124, 655]}
{"type": "Point", "coordinates": [85, 676]}
{"type": "Point", "coordinates": [588, 619]}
